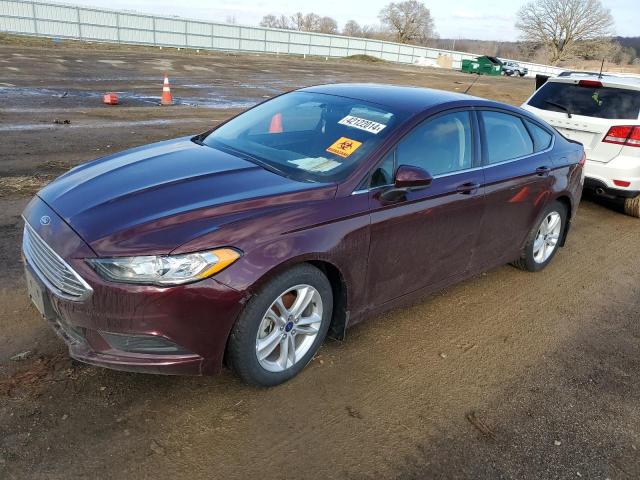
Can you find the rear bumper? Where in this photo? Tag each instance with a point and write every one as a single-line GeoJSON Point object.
{"type": "Point", "coordinates": [601, 188]}
{"type": "Point", "coordinates": [602, 175]}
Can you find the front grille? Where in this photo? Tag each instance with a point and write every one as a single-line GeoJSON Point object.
{"type": "Point", "coordinates": [52, 269]}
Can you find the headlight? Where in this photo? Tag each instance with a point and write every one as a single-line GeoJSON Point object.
{"type": "Point", "coordinates": [164, 269]}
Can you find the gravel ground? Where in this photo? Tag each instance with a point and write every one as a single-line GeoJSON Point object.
{"type": "Point", "coordinates": [508, 375]}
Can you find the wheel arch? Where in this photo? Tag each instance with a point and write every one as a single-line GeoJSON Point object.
{"type": "Point", "coordinates": [566, 201]}
{"type": "Point", "coordinates": [340, 314]}
{"type": "Point", "coordinates": [339, 288]}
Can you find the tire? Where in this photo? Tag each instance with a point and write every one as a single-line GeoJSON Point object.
{"type": "Point", "coordinates": [261, 320]}
{"type": "Point", "coordinates": [632, 206]}
{"type": "Point", "coordinates": [533, 259]}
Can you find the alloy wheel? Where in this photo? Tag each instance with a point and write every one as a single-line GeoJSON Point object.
{"type": "Point", "coordinates": [289, 328]}
{"type": "Point", "coordinates": [547, 237]}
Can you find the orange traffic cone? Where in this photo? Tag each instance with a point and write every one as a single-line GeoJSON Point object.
{"type": "Point", "coordinates": [276, 124]}
{"type": "Point", "coordinates": [167, 99]}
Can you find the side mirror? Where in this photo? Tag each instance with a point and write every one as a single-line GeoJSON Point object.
{"type": "Point", "coordinates": [411, 177]}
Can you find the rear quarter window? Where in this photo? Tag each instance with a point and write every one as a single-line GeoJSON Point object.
{"type": "Point", "coordinates": [541, 138]}
{"type": "Point", "coordinates": [599, 102]}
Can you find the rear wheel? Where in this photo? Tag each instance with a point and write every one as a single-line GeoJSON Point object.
{"type": "Point", "coordinates": [632, 206]}
{"type": "Point", "coordinates": [281, 327]}
{"type": "Point", "coordinates": [544, 239]}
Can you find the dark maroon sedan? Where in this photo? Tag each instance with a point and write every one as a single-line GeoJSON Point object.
{"type": "Point", "coordinates": [250, 243]}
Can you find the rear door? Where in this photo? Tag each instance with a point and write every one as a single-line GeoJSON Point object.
{"type": "Point", "coordinates": [594, 107]}
{"type": "Point", "coordinates": [517, 166]}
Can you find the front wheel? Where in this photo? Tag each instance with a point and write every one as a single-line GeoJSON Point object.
{"type": "Point", "coordinates": [632, 206]}
{"type": "Point", "coordinates": [544, 239]}
{"type": "Point", "coordinates": [282, 327]}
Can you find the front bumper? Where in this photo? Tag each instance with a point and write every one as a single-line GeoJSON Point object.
{"type": "Point", "coordinates": [195, 318]}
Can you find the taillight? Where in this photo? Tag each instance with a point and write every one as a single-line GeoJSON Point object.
{"type": "Point", "coordinates": [634, 138]}
{"type": "Point", "coordinates": [590, 83]}
{"type": "Point", "coordinates": [623, 135]}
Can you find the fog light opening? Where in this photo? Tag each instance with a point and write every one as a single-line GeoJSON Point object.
{"type": "Point", "coordinates": [145, 344]}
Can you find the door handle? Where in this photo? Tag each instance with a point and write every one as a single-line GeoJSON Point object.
{"type": "Point", "coordinates": [543, 171]}
{"type": "Point", "coordinates": [468, 188]}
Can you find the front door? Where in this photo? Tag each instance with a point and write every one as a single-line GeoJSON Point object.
{"type": "Point", "coordinates": [422, 236]}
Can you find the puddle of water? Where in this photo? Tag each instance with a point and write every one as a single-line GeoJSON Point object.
{"type": "Point", "coordinates": [112, 62]}
{"type": "Point", "coordinates": [221, 101]}
{"type": "Point", "coordinates": [106, 124]}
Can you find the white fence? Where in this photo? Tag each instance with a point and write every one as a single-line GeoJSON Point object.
{"type": "Point", "coordinates": [58, 20]}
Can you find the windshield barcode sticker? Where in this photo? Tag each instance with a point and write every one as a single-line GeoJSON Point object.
{"type": "Point", "coordinates": [362, 124]}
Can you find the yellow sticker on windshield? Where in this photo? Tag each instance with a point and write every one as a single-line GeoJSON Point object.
{"type": "Point", "coordinates": [344, 147]}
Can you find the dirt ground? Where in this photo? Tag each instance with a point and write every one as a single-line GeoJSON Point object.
{"type": "Point", "coordinates": [508, 375]}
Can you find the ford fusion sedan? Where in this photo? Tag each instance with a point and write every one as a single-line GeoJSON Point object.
{"type": "Point", "coordinates": [247, 245]}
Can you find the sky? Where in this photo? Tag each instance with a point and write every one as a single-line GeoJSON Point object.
{"type": "Point", "coordinates": [484, 20]}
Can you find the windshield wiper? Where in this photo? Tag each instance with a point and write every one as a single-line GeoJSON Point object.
{"type": "Point", "coordinates": [251, 158]}
{"type": "Point", "coordinates": [561, 107]}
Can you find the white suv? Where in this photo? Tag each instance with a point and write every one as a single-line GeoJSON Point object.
{"type": "Point", "coordinates": [602, 113]}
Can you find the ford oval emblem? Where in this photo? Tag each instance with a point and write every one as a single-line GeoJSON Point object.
{"type": "Point", "coordinates": [45, 220]}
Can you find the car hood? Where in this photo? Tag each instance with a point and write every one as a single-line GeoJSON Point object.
{"type": "Point", "coordinates": [152, 199]}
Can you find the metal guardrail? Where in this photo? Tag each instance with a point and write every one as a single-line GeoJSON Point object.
{"type": "Point", "coordinates": [58, 20]}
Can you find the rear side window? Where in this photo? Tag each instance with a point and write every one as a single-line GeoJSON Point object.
{"type": "Point", "coordinates": [599, 102]}
{"type": "Point", "coordinates": [440, 145]}
{"type": "Point", "coordinates": [505, 137]}
{"type": "Point", "coordinates": [541, 138]}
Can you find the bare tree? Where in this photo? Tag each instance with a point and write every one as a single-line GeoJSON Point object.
{"type": "Point", "coordinates": [297, 21]}
{"type": "Point", "coordinates": [271, 21]}
{"type": "Point", "coordinates": [309, 22]}
{"type": "Point", "coordinates": [327, 25]}
{"type": "Point", "coordinates": [562, 25]}
{"type": "Point", "coordinates": [352, 29]}
{"type": "Point", "coordinates": [377, 32]}
{"type": "Point", "coordinates": [409, 21]}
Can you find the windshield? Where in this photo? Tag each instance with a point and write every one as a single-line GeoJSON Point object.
{"type": "Point", "coordinates": [599, 102]}
{"type": "Point", "coordinates": [309, 137]}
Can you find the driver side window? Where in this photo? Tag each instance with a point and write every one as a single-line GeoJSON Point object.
{"type": "Point", "coordinates": [440, 145]}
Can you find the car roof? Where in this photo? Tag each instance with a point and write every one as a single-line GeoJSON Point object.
{"type": "Point", "coordinates": [607, 80]}
{"type": "Point", "coordinates": [409, 99]}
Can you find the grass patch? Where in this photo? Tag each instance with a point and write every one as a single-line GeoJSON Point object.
{"type": "Point", "coordinates": [365, 58]}
{"type": "Point", "coordinates": [23, 185]}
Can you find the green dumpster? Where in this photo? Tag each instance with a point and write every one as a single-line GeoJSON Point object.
{"type": "Point", "coordinates": [484, 65]}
